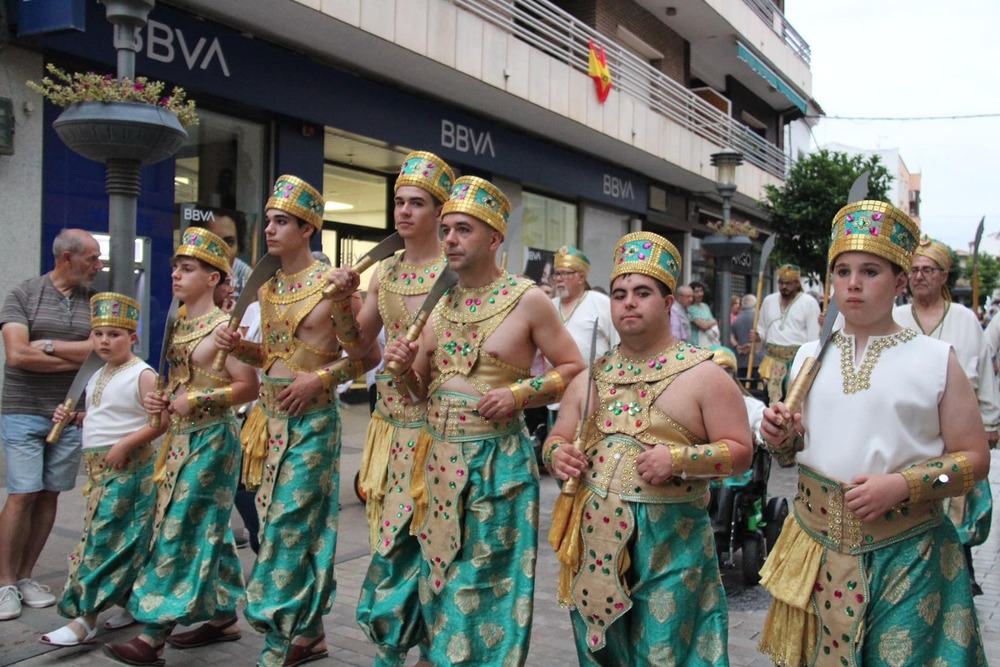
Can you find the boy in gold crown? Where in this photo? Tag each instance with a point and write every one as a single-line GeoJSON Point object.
{"type": "Point", "coordinates": [119, 454]}
{"type": "Point", "coordinates": [193, 573]}
{"type": "Point", "coordinates": [639, 565]}
{"type": "Point", "coordinates": [476, 495]}
{"type": "Point", "coordinates": [389, 608]}
{"type": "Point", "coordinates": [292, 448]}
{"type": "Point", "coordinates": [867, 569]}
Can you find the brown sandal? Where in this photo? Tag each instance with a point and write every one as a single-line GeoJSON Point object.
{"type": "Point", "coordinates": [135, 652]}
{"type": "Point", "coordinates": [204, 635]}
{"type": "Point", "coordinates": [302, 654]}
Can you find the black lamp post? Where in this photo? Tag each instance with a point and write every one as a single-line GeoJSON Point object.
{"type": "Point", "coordinates": [725, 163]}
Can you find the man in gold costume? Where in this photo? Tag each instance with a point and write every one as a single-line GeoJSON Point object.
{"type": "Point", "coordinates": [476, 486]}
{"type": "Point", "coordinates": [637, 550]}
{"type": "Point", "coordinates": [389, 608]}
{"type": "Point", "coordinates": [292, 441]}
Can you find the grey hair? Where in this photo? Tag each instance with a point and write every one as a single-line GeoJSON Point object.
{"type": "Point", "coordinates": [748, 301]}
{"type": "Point", "coordinates": [69, 240]}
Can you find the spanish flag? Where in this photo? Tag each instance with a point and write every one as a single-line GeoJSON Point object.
{"type": "Point", "coordinates": [599, 72]}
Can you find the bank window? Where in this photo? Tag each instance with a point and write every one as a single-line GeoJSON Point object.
{"type": "Point", "coordinates": [548, 223]}
{"type": "Point", "coordinates": [356, 214]}
{"type": "Point", "coordinates": [220, 172]}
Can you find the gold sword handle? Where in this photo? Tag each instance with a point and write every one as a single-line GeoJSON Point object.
{"type": "Point", "coordinates": [58, 427]}
{"type": "Point", "coordinates": [573, 483]}
{"type": "Point", "coordinates": [412, 334]}
{"type": "Point", "coordinates": [154, 420]}
{"type": "Point", "coordinates": [330, 290]}
{"type": "Point", "coordinates": [220, 356]}
{"type": "Point", "coordinates": [800, 387]}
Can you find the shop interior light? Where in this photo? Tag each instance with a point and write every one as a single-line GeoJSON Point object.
{"type": "Point", "coordinates": [337, 206]}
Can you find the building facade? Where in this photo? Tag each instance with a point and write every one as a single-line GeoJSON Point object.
{"type": "Point", "coordinates": [338, 91]}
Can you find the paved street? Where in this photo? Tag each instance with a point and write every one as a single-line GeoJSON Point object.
{"type": "Point", "coordinates": [551, 642]}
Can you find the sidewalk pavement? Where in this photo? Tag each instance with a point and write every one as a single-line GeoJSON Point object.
{"type": "Point", "coordinates": [551, 639]}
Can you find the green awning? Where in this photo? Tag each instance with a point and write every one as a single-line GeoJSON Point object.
{"type": "Point", "coordinates": [755, 63]}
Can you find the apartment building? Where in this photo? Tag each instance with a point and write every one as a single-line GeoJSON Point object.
{"type": "Point", "coordinates": [338, 91]}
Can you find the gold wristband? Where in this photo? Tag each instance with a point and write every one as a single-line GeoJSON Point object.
{"type": "Point", "coordinates": [342, 370]}
{"type": "Point", "coordinates": [554, 443]}
{"type": "Point", "coordinates": [708, 461]}
{"type": "Point", "coordinates": [784, 452]}
{"type": "Point", "coordinates": [210, 399]}
{"type": "Point", "coordinates": [942, 477]}
{"type": "Point", "coordinates": [249, 353]}
{"type": "Point", "coordinates": [537, 391]}
{"type": "Point", "coordinates": [346, 327]}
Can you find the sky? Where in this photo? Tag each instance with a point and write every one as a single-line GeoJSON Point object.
{"type": "Point", "coordinates": [890, 58]}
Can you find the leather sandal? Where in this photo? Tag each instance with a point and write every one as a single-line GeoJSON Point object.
{"type": "Point", "coordinates": [135, 652]}
{"type": "Point", "coordinates": [298, 655]}
{"type": "Point", "coordinates": [66, 636]}
{"type": "Point", "coordinates": [204, 635]}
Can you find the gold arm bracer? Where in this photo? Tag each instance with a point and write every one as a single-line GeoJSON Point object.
{"type": "Point", "coordinates": [941, 477]}
{"type": "Point", "coordinates": [707, 461]}
{"type": "Point", "coordinates": [346, 327]}
{"type": "Point", "coordinates": [537, 391]}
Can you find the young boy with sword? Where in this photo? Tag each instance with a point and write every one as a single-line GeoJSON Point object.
{"type": "Point", "coordinates": [867, 569]}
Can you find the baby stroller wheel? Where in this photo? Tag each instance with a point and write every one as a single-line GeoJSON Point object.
{"type": "Point", "coordinates": [753, 558]}
{"type": "Point", "coordinates": [362, 496]}
{"type": "Point", "coordinates": [775, 514]}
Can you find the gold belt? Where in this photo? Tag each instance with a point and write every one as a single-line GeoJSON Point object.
{"type": "Point", "coordinates": [391, 406]}
{"type": "Point", "coordinates": [822, 512]}
{"type": "Point", "coordinates": [271, 387]}
{"type": "Point", "coordinates": [782, 352]}
{"type": "Point", "coordinates": [452, 416]}
{"type": "Point", "coordinates": [614, 472]}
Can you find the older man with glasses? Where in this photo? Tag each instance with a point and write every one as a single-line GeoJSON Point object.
{"type": "Point", "coordinates": [46, 334]}
{"type": "Point", "coordinates": [934, 314]}
{"type": "Point", "coordinates": [787, 319]}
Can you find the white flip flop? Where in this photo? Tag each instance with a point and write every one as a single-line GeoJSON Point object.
{"type": "Point", "coordinates": [65, 636]}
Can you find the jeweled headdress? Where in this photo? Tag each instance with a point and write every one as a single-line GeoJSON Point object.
{"type": "Point", "coordinates": [649, 254]}
{"type": "Point", "coordinates": [875, 227]}
{"type": "Point", "coordinates": [428, 172]}
{"type": "Point", "coordinates": [206, 246]}
{"type": "Point", "coordinates": [934, 250]}
{"type": "Point", "coordinates": [568, 257]}
{"type": "Point", "coordinates": [110, 309]}
{"type": "Point", "coordinates": [480, 199]}
{"type": "Point", "coordinates": [293, 195]}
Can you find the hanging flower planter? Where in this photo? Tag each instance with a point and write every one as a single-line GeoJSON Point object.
{"type": "Point", "coordinates": [105, 131]}
{"type": "Point", "coordinates": [720, 245]}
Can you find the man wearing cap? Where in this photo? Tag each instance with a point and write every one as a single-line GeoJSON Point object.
{"type": "Point", "coordinates": [46, 329]}
{"type": "Point", "coordinates": [934, 314]}
{"type": "Point", "coordinates": [389, 608]}
{"type": "Point", "coordinates": [292, 448]}
{"type": "Point", "coordinates": [788, 318]}
{"type": "Point", "coordinates": [475, 484]}
{"type": "Point", "coordinates": [639, 566]}
{"type": "Point", "coordinates": [581, 308]}
{"type": "Point", "coordinates": [193, 573]}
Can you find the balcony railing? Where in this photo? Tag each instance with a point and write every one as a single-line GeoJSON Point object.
{"type": "Point", "coordinates": [563, 37]}
{"type": "Point", "coordinates": [773, 17]}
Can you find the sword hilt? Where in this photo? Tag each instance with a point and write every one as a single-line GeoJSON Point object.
{"type": "Point", "coordinates": [154, 420]}
{"type": "Point", "coordinates": [220, 356]}
{"type": "Point", "coordinates": [413, 333]}
{"type": "Point", "coordinates": [58, 427]}
{"type": "Point", "coordinates": [800, 387]}
{"type": "Point", "coordinates": [330, 290]}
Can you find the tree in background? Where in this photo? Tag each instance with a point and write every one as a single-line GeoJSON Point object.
{"type": "Point", "coordinates": [802, 210]}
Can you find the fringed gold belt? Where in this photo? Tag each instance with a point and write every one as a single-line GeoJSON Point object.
{"type": "Point", "coordinates": [452, 416]}
{"type": "Point", "coordinates": [782, 352]}
{"type": "Point", "coordinates": [614, 473]}
{"type": "Point", "coordinates": [816, 574]}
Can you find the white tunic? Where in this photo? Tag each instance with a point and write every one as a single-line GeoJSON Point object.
{"type": "Point", "coordinates": [592, 307]}
{"type": "Point", "coordinates": [961, 329]}
{"type": "Point", "coordinates": [120, 412]}
{"type": "Point", "coordinates": [884, 429]}
{"type": "Point", "coordinates": [795, 326]}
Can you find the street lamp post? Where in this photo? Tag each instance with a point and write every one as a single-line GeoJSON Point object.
{"type": "Point", "coordinates": [725, 163]}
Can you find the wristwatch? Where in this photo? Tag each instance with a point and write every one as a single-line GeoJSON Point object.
{"type": "Point", "coordinates": [49, 347]}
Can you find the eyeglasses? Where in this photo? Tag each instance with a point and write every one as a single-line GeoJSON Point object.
{"type": "Point", "coordinates": [563, 275]}
{"type": "Point", "coordinates": [927, 271]}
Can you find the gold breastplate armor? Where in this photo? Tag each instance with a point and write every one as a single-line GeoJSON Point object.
{"type": "Point", "coordinates": [187, 335]}
{"type": "Point", "coordinates": [286, 301]}
{"type": "Point", "coordinates": [463, 321]}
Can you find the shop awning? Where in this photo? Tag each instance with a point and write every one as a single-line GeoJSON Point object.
{"type": "Point", "coordinates": [779, 84]}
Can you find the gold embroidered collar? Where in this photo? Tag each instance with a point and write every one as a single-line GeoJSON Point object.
{"type": "Point", "coordinates": [615, 368]}
{"type": "Point", "coordinates": [859, 379]}
{"type": "Point", "coordinates": [407, 279]}
{"type": "Point", "coordinates": [189, 329]}
{"type": "Point", "coordinates": [475, 304]}
{"type": "Point", "coordinates": [284, 289]}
